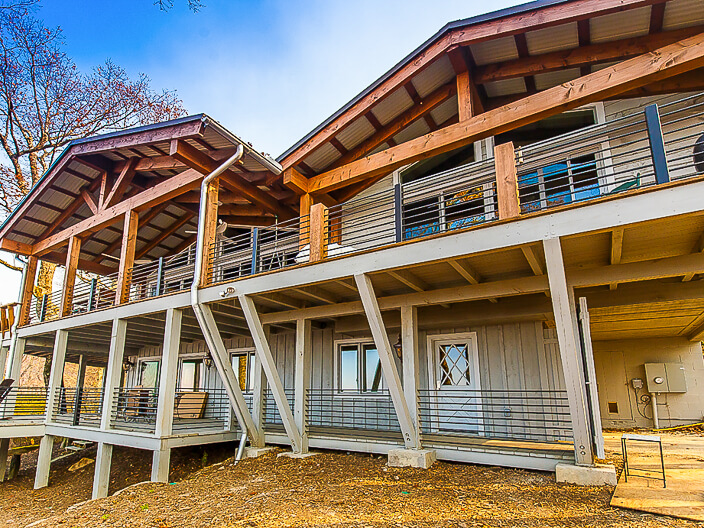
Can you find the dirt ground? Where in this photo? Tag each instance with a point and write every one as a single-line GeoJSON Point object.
{"type": "Point", "coordinates": [329, 489]}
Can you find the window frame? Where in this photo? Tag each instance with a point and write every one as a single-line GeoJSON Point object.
{"type": "Point", "coordinates": [360, 343]}
{"type": "Point", "coordinates": [245, 351]}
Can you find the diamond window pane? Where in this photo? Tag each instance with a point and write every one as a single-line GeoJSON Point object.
{"type": "Point", "coordinates": [454, 365]}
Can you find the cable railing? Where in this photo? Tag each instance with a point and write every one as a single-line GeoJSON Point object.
{"type": "Point", "coordinates": [23, 404]}
{"type": "Point", "coordinates": [200, 409]}
{"type": "Point", "coordinates": [272, 418]}
{"type": "Point", "coordinates": [135, 409]}
{"type": "Point", "coordinates": [82, 406]}
{"type": "Point", "coordinates": [350, 413]}
{"type": "Point", "coordinates": [683, 136]}
{"type": "Point", "coordinates": [537, 416]}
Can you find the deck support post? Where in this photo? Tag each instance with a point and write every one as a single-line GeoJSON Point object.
{"type": "Point", "coordinates": [4, 450]}
{"type": "Point", "coordinates": [58, 361]}
{"type": "Point", "coordinates": [506, 181]}
{"type": "Point", "coordinates": [80, 379]}
{"type": "Point", "coordinates": [210, 230]}
{"type": "Point", "coordinates": [258, 389]}
{"type": "Point", "coordinates": [167, 393]}
{"type": "Point", "coordinates": [127, 254]}
{"type": "Point", "coordinates": [72, 256]}
{"type": "Point", "coordinates": [41, 477]}
{"type": "Point", "coordinates": [562, 296]}
{"type": "Point", "coordinates": [304, 345]}
{"type": "Point", "coordinates": [14, 361]}
{"type": "Point", "coordinates": [272, 374]}
{"type": "Point", "coordinates": [101, 479]}
{"type": "Point", "coordinates": [114, 370]}
{"type": "Point", "coordinates": [224, 366]}
{"type": "Point", "coordinates": [29, 276]}
{"type": "Point", "coordinates": [409, 351]}
{"type": "Point", "coordinates": [411, 438]}
{"type": "Point", "coordinates": [318, 232]}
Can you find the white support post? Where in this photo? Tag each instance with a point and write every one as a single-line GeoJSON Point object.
{"type": "Point", "coordinates": [227, 374]}
{"type": "Point", "coordinates": [58, 361]}
{"type": "Point", "coordinates": [161, 464]}
{"type": "Point", "coordinates": [4, 450]}
{"type": "Point", "coordinates": [258, 392]}
{"type": "Point", "coordinates": [304, 345]}
{"type": "Point", "coordinates": [14, 364]}
{"type": "Point", "coordinates": [272, 374]}
{"type": "Point", "coordinates": [41, 477]}
{"type": "Point", "coordinates": [409, 353]}
{"type": "Point", "coordinates": [101, 479]}
{"type": "Point", "coordinates": [114, 371]}
{"type": "Point", "coordinates": [169, 373]}
{"type": "Point", "coordinates": [388, 366]}
{"type": "Point", "coordinates": [565, 312]}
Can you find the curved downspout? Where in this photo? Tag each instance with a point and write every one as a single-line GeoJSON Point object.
{"type": "Point", "coordinates": [198, 265]}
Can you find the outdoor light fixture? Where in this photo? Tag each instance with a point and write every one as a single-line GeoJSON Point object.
{"type": "Point", "coordinates": [127, 365]}
{"type": "Point", "coordinates": [208, 361]}
{"type": "Point", "coordinates": [398, 347]}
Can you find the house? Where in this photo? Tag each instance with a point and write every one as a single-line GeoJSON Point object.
{"type": "Point", "coordinates": [485, 256]}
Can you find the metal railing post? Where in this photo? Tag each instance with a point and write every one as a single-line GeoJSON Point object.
{"type": "Point", "coordinates": [657, 144]}
{"type": "Point", "coordinates": [255, 249]}
{"type": "Point", "coordinates": [91, 295]}
{"type": "Point", "coordinates": [77, 405]}
{"type": "Point", "coordinates": [42, 310]}
{"type": "Point", "coordinates": [160, 277]}
{"type": "Point", "coordinates": [398, 211]}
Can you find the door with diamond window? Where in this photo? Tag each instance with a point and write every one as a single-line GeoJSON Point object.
{"type": "Point", "coordinates": [458, 396]}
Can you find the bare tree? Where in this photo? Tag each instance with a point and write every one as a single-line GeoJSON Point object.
{"type": "Point", "coordinates": [46, 102]}
{"type": "Point", "coordinates": [193, 5]}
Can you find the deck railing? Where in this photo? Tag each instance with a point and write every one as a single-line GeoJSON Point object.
{"type": "Point", "coordinates": [135, 409]}
{"type": "Point", "coordinates": [536, 416]}
{"type": "Point", "coordinates": [24, 404]}
{"type": "Point", "coordinates": [80, 406]}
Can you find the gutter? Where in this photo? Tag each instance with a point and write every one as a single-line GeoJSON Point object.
{"type": "Point", "coordinates": [198, 266]}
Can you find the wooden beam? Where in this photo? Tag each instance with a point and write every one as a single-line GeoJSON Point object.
{"type": "Point", "coordinates": [585, 55]}
{"type": "Point", "coordinates": [210, 230]}
{"type": "Point", "coordinates": [13, 246]}
{"type": "Point", "coordinates": [104, 190]}
{"type": "Point", "coordinates": [160, 193]}
{"type": "Point", "coordinates": [295, 181]}
{"type": "Point", "coordinates": [204, 164]}
{"type": "Point", "coordinates": [318, 294]}
{"type": "Point", "coordinates": [248, 221]}
{"type": "Point", "coordinates": [239, 209]}
{"type": "Point", "coordinates": [30, 275]}
{"type": "Point", "coordinates": [88, 199]}
{"type": "Point", "coordinates": [532, 259]}
{"type": "Point", "coordinates": [74, 251]}
{"type": "Point", "coordinates": [616, 250]}
{"type": "Point", "coordinates": [127, 257]}
{"type": "Point", "coordinates": [683, 56]}
{"type": "Point", "coordinates": [465, 271]}
{"type": "Point", "coordinates": [507, 181]}
{"type": "Point", "coordinates": [120, 186]}
{"type": "Point", "coordinates": [155, 163]}
{"type": "Point", "coordinates": [409, 279]}
{"type": "Point", "coordinates": [282, 300]}
{"type": "Point", "coordinates": [396, 125]}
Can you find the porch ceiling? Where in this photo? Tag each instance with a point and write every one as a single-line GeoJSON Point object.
{"type": "Point", "coordinates": [556, 44]}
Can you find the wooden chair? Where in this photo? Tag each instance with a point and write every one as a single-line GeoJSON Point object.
{"type": "Point", "coordinates": [190, 405]}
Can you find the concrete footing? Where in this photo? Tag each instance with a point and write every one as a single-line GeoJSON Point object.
{"type": "Point", "coordinates": [601, 475]}
{"type": "Point", "coordinates": [418, 458]}
{"type": "Point", "coordinates": [254, 452]}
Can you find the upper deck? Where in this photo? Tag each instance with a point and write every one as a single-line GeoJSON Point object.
{"type": "Point", "coordinates": [627, 171]}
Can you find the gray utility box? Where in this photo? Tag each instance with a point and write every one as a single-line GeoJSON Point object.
{"type": "Point", "coordinates": [665, 377]}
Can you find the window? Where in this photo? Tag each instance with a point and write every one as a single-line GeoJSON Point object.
{"type": "Point", "coordinates": [572, 180]}
{"type": "Point", "coordinates": [359, 368]}
{"type": "Point", "coordinates": [243, 365]}
{"type": "Point", "coordinates": [191, 375]}
{"type": "Point", "coordinates": [149, 373]}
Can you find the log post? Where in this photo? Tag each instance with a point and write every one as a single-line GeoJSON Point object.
{"type": "Point", "coordinates": [129, 244]}
{"type": "Point", "coordinates": [506, 181]}
{"type": "Point", "coordinates": [210, 232]}
{"type": "Point", "coordinates": [318, 232]}
{"type": "Point", "coordinates": [74, 250]}
{"type": "Point", "coordinates": [304, 228]}
{"type": "Point", "coordinates": [30, 275]}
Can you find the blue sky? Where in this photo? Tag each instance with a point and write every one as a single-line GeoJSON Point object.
{"type": "Point", "coordinates": [270, 71]}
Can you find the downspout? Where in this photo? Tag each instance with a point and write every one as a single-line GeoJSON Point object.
{"type": "Point", "coordinates": [198, 265]}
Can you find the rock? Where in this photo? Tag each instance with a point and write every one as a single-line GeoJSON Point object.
{"type": "Point", "coordinates": [81, 464]}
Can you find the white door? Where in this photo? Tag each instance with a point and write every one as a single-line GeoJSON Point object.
{"type": "Point", "coordinates": [457, 402]}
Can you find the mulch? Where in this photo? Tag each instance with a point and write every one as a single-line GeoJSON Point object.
{"type": "Point", "coordinates": [326, 490]}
